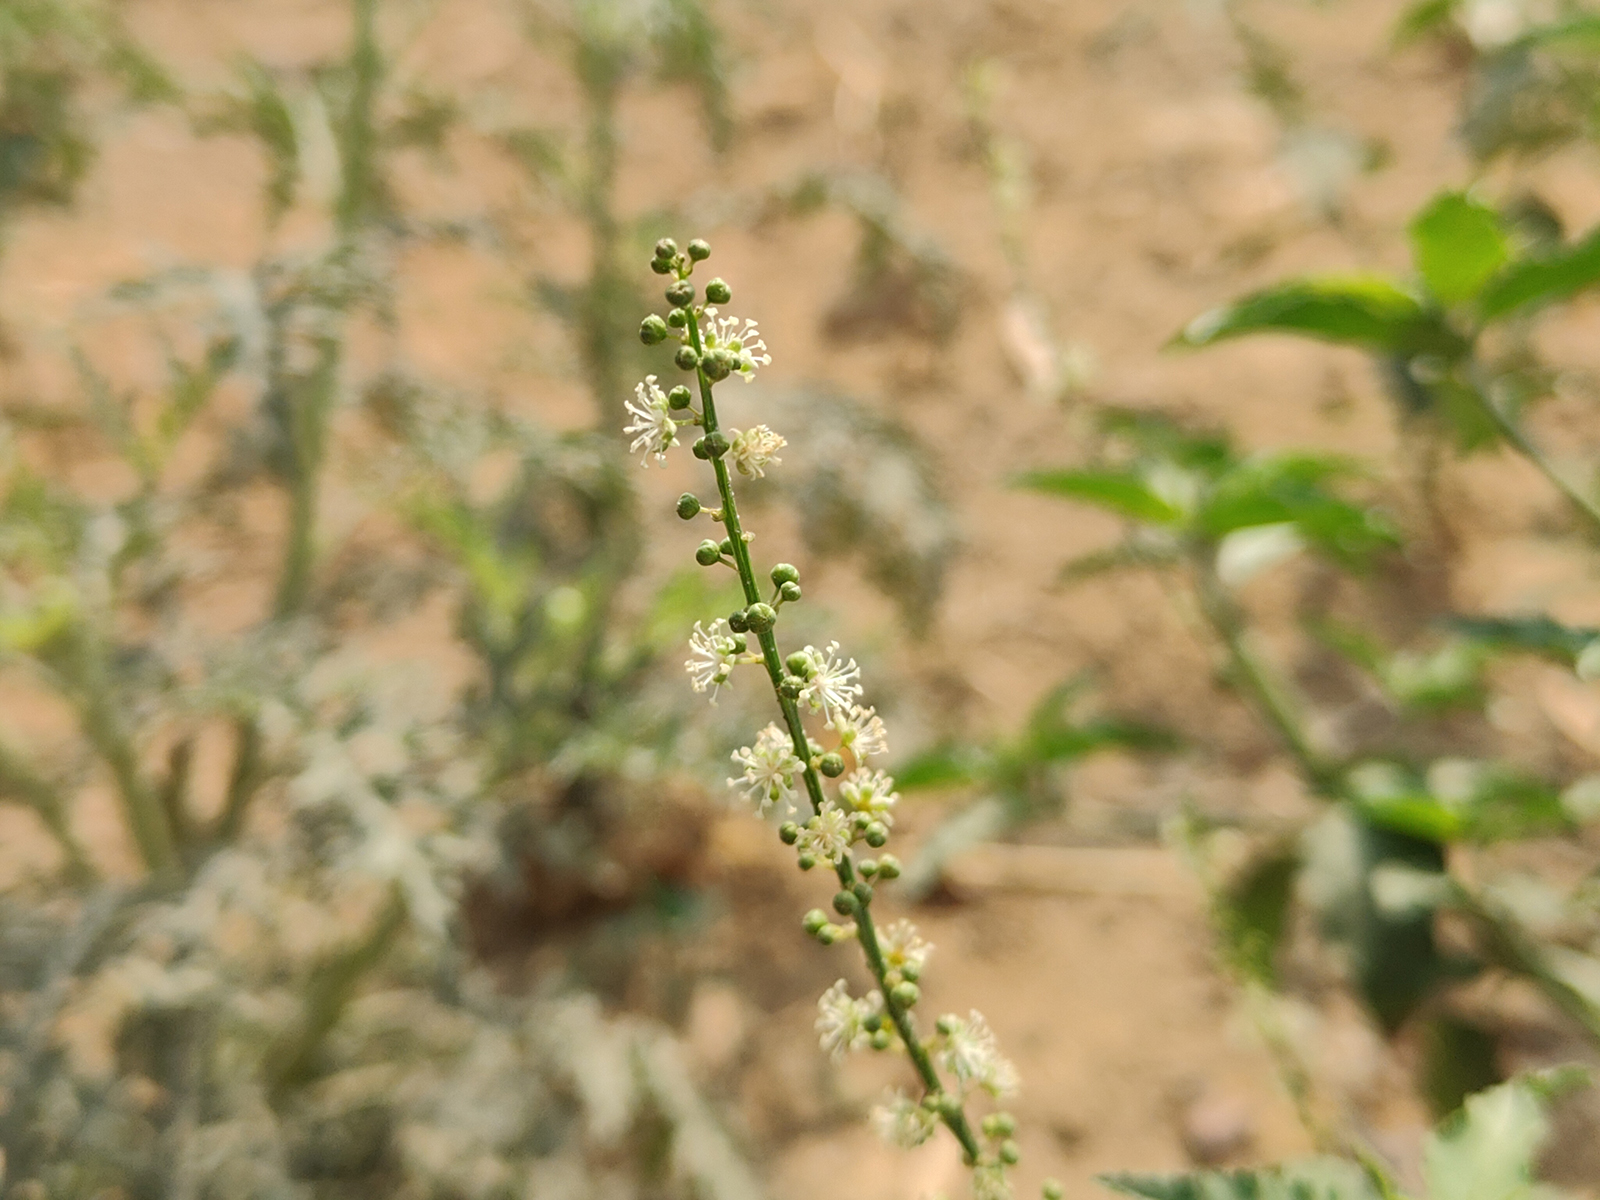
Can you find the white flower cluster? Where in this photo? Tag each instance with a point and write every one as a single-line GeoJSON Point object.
{"type": "Point", "coordinates": [754, 450]}
{"type": "Point", "coordinates": [715, 652]}
{"type": "Point", "coordinates": [654, 429]}
{"type": "Point", "coordinates": [770, 768]}
{"type": "Point", "coordinates": [844, 1023]}
{"type": "Point", "coordinates": [827, 835]}
{"type": "Point", "coordinates": [832, 685]}
{"type": "Point", "coordinates": [903, 1121]}
{"type": "Point", "coordinates": [745, 344]}
{"type": "Point", "coordinates": [970, 1051]}
{"type": "Point", "coordinates": [861, 732]}
{"type": "Point", "coordinates": [871, 793]}
{"type": "Point", "coordinates": [903, 948]}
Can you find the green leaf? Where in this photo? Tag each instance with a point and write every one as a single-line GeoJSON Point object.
{"type": "Point", "coordinates": [950, 765]}
{"type": "Point", "coordinates": [1123, 492]}
{"type": "Point", "coordinates": [1421, 19]}
{"type": "Point", "coordinates": [1355, 310]}
{"type": "Point", "coordinates": [1251, 914]}
{"type": "Point", "coordinates": [1581, 32]}
{"type": "Point", "coordinates": [1458, 245]}
{"type": "Point", "coordinates": [1531, 635]}
{"type": "Point", "coordinates": [1314, 1179]}
{"type": "Point", "coordinates": [1488, 1151]}
{"type": "Point", "coordinates": [1544, 279]}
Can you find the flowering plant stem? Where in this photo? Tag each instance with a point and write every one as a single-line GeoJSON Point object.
{"type": "Point", "coordinates": [955, 1118]}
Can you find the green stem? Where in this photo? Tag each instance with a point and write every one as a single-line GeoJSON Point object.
{"type": "Point", "coordinates": [1253, 677]}
{"type": "Point", "coordinates": [866, 932]}
{"type": "Point", "coordinates": [20, 781]}
{"type": "Point", "coordinates": [244, 779]}
{"type": "Point", "coordinates": [1513, 434]}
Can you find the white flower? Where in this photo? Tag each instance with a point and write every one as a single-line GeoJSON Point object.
{"type": "Point", "coordinates": [755, 449]}
{"type": "Point", "coordinates": [903, 1122]}
{"type": "Point", "coordinates": [870, 792]}
{"type": "Point", "coordinates": [745, 344]}
{"type": "Point", "coordinates": [769, 770]}
{"type": "Point", "coordinates": [655, 429]}
{"type": "Point", "coordinates": [861, 732]}
{"type": "Point", "coordinates": [902, 946]}
{"type": "Point", "coordinates": [842, 1022]}
{"type": "Point", "coordinates": [827, 835]}
{"type": "Point", "coordinates": [972, 1054]}
{"type": "Point", "coordinates": [831, 684]}
{"type": "Point", "coordinates": [989, 1182]}
{"type": "Point", "coordinates": [716, 652]}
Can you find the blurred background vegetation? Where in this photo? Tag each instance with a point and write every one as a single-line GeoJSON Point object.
{"type": "Point", "coordinates": [357, 829]}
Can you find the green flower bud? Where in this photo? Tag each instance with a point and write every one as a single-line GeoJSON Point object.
{"type": "Point", "coordinates": [949, 1106]}
{"type": "Point", "coordinates": [872, 1022]}
{"type": "Point", "coordinates": [911, 971]}
{"type": "Point", "coordinates": [906, 995]}
{"type": "Point", "coordinates": [726, 548]}
{"type": "Point", "coordinates": [678, 318]}
{"type": "Point", "coordinates": [999, 1125]}
{"type": "Point", "coordinates": [717, 364]}
{"type": "Point", "coordinates": [791, 687]}
{"type": "Point", "coordinates": [686, 358]}
{"type": "Point", "coordinates": [737, 621]}
{"type": "Point", "coordinates": [688, 505]}
{"type": "Point", "coordinates": [789, 593]}
{"type": "Point", "coordinates": [807, 861]}
{"type": "Point", "coordinates": [652, 330]}
{"type": "Point", "coordinates": [863, 892]}
{"type": "Point", "coordinates": [947, 1024]}
{"type": "Point", "coordinates": [868, 867]}
{"type": "Point", "coordinates": [662, 266]}
{"type": "Point", "coordinates": [846, 904]}
{"type": "Point", "coordinates": [680, 293]}
{"type": "Point", "coordinates": [1010, 1152]}
{"type": "Point", "coordinates": [814, 920]}
{"type": "Point", "coordinates": [740, 643]}
{"type": "Point", "coordinates": [707, 554]}
{"type": "Point", "coordinates": [1052, 1190]}
{"type": "Point", "coordinates": [829, 934]}
{"type": "Point", "coordinates": [882, 1039]}
{"type": "Point", "coordinates": [679, 397]}
{"type": "Point", "coordinates": [785, 573]}
{"type": "Point", "coordinates": [799, 664]}
{"type": "Point", "coordinates": [831, 765]}
{"type": "Point", "coordinates": [718, 292]}
{"type": "Point", "coordinates": [876, 834]}
{"type": "Point", "coordinates": [716, 445]}
{"type": "Point", "coordinates": [699, 250]}
{"type": "Point", "coordinates": [888, 867]}
{"type": "Point", "coordinates": [788, 833]}
{"type": "Point", "coordinates": [666, 250]}
{"type": "Point", "coordinates": [762, 617]}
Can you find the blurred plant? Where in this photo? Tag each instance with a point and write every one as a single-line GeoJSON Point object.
{"type": "Point", "coordinates": [1487, 1150]}
{"type": "Point", "coordinates": [962, 1058]}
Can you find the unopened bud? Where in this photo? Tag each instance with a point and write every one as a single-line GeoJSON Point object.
{"type": "Point", "coordinates": [678, 318]}
{"type": "Point", "coordinates": [680, 293]}
{"type": "Point", "coordinates": [863, 892]}
{"type": "Point", "coordinates": [785, 573]}
{"type": "Point", "coordinates": [788, 833]}
{"type": "Point", "coordinates": [789, 593]}
{"type": "Point", "coordinates": [737, 621]}
{"type": "Point", "coordinates": [799, 664]}
{"type": "Point", "coordinates": [652, 330]}
{"type": "Point", "coordinates": [888, 867]}
{"type": "Point", "coordinates": [725, 546]}
{"type": "Point", "coordinates": [688, 505]}
{"type": "Point", "coordinates": [999, 1125]}
{"type": "Point", "coordinates": [882, 1040]}
{"type": "Point", "coordinates": [911, 971]}
{"type": "Point", "coordinates": [876, 834]}
{"type": "Point", "coordinates": [666, 250]}
{"type": "Point", "coordinates": [806, 861]}
{"type": "Point", "coordinates": [718, 292]}
{"type": "Point", "coordinates": [716, 445]}
{"type": "Point", "coordinates": [1052, 1190]}
{"type": "Point", "coordinates": [947, 1024]}
{"type": "Point", "coordinates": [662, 266]}
{"type": "Point", "coordinates": [868, 867]}
{"type": "Point", "coordinates": [699, 250]}
{"type": "Point", "coordinates": [846, 904]}
{"type": "Point", "coordinates": [831, 765]}
{"type": "Point", "coordinates": [905, 994]}
{"type": "Point", "coordinates": [814, 920]}
{"type": "Point", "coordinates": [686, 358]}
{"type": "Point", "coordinates": [717, 364]}
{"type": "Point", "coordinates": [1010, 1152]}
{"type": "Point", "coordinates": [761, 617]}
{"type": "Point", "coordinates": [679, 397]}
{"type": "Point", "coordinates": [707, 553]}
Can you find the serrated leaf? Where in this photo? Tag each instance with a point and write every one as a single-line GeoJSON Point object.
{"type": "Point", "coordinates": [1123, 492]}
{"type": "Point", "coordinates": [1542, 280]}
{"type": "Point", "coordinates": [1489, 1150]}
{"type": "Point", "coordinates": [1457, 244]}
{"type": "Point", "coordinates": [1354, 310]}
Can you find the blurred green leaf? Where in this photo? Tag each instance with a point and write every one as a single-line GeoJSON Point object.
{"type": "Point", "coordinates": [1316, 1179]}
{"type": "Point", "coordinates": [1489, 1150]}
{"type": "Point", "coordinates": [1529, 635]}
{"type": "Point", "coordinates": [1357, 310]}
{"type": "Point", "coordinates": [950, 765]}
{"type": "Point", "coordinates": [1423, 18]}
{"type": "Point", "coordinates": [1559, 275]}
{"type": "Point", "coordinates": [1122, 492]}
{"type": "Point", "coordinates": [1251, 914]}
{"type": "Point", "coordinates": [1458, 245]}
{"type": "Point", "coordinates": [1458, 800]}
